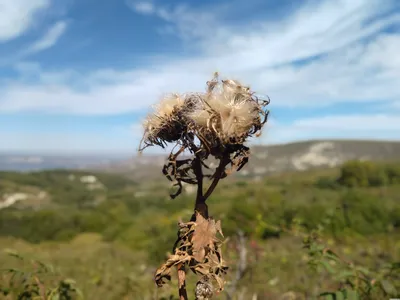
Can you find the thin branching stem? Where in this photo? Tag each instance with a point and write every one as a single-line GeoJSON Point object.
{"type": "Point", "coordinates": [200, 204]}
{"type": "Point", "coordinates": [218, 175]}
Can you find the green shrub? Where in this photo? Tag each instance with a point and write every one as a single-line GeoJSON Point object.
{"type": "Point", "coordinates": [368, 174]}
{"type": "Point", "coordinates": [326, 182]}
{"type": "Point", "coordinates": [393, 173]}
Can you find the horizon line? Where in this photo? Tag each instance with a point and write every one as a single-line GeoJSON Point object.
{"type": "Point", "coordinates": [136, 153]}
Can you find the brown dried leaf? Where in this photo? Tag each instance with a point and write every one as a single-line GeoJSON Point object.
{"type": "Point", "coordinates": [164, 272]}
{"type": "Point", "coordinates": [204, 236]}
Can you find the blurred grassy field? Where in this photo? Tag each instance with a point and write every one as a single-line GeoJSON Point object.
{"type": "Point", "coordinates": [111, 239]}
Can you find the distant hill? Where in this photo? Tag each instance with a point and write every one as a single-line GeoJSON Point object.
{"type": "Point", "coordinates": [36, 162]}
{"type": "Point", "coordinates": [279, 158]}
{"type": "Point", "coordinates": [319, 153]}
{"type": "Point", "coordinates": [264, 160]}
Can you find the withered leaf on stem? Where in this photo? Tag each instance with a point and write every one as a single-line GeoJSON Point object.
{"type": "Point", "coordinates": [164, 272]}
{"type": "Point", "coordinates": [199, 248]}
{"type": "Point", "coordinates": [204, 236]}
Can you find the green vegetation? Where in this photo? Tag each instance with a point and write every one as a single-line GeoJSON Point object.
{"type": "Point", "coordinates": [344, 222]}
{"type": "Point", "coordinates": [368, 174]}
{"type": "Point", "coordinates": [33, 284]}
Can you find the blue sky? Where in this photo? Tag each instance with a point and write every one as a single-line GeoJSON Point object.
{"type": "Point", "coordinates": [80, 76]}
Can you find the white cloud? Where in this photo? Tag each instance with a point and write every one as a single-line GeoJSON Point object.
{"type": "Point", "coordinates": [395, 105]}
{"type": "Point", "coordinates": [142, 7]}
{"type": "Point", "coordinates": [352, 122]}
{"type": "Point", "coordinates": [260, 54]}
{"type": "Point", "coordinates": [49, 39]}
{"type": "Point", "coordinates": [369, 126]}
{"type": "Point", "coordinates": [17, 16]}
{"type": "Point", "coordinates": [183, 22]}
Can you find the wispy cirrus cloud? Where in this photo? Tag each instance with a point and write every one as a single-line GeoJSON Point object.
{"type": "Point", "coordinates": [26, 28]}
{"type": "Point", "coordinates": [327, 54]}
{"type": "Point", "coordinates": [17, 16]}
{"type": "Point", "coordinates": [49, 39]}
{"type": "Point", "coordinates": [322, 54]}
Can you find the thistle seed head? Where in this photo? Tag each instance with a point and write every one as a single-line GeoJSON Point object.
{"type": "Point", "coordinates": [165, 123]}
{"type": "Point", "coordinates": [229, 111]}
{"type": "Point", "coordinates": [226, 114]}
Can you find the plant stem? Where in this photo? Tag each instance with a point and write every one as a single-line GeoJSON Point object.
{"type": "Point", "coordinates": [181, 282]}
{"type": "Point", "coordinates": [218, 174]}
{"type": "Point", "coordinates": [201, 208]}
{"type": "Point", "coordinates": [200, 205]}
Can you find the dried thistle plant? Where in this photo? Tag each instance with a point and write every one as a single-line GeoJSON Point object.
{"type": "Point", "coordinates": [214, 124]}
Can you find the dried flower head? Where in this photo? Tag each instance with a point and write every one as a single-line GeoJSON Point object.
{"type": "Point", "coordinates": [229, 112]}
{"type": "Point", "coordinates": [216, 122]}
{"type": "Point", "coordinates": [226, 114]}
{"type": "Point", "coordinates": [165, 125]}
